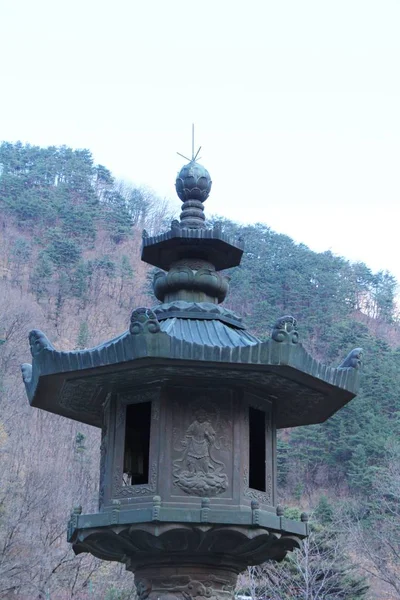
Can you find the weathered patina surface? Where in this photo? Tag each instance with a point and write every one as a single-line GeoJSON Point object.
{"type": "Point", "coordinates": [198, 504]}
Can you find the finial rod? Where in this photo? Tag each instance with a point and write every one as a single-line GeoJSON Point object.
{"type": "Point", "coordinates": [194, 156]}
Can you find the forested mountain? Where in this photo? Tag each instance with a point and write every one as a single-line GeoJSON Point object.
{"type": "Point", "coordinates": [70, 239]}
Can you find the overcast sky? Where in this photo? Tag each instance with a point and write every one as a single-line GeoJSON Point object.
{"type": "Point", "coordinates": [296, 104]}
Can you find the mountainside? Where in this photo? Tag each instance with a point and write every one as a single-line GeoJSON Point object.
{"type": "Point", "coordinates": [70, 238]}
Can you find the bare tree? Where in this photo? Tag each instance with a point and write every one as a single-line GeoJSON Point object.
{"type": "Point", "coordinates": [376, 532]}
{"type": "Point", "coordinates": [320, 570]}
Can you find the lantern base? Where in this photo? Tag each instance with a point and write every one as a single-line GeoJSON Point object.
{"type": "Point", "coordinates": [167, 545]}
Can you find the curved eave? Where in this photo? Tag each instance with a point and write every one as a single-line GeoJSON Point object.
{"type": "Point", "coordinates": [75, 384]}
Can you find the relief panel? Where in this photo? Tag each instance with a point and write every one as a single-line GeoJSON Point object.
{"type": "Point", "coordinates": [201, 453]}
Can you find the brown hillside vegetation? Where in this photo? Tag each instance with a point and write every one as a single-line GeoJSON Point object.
{"type": "Point", "coordinates": [70, 239]}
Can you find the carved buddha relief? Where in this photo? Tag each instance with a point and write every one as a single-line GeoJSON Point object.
{"type": "Point", "coordinates": [199, 466]}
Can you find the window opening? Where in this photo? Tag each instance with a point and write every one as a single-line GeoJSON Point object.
{"type": "Point", "coordinates": [257, 452]}
{"type": "Point", "coordinates": [137, 444]}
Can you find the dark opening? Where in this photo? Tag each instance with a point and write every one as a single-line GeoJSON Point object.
{"type": "Point", "coordinates": [257, 449]}
{"type": "Point", "coordinates": [137, 444]}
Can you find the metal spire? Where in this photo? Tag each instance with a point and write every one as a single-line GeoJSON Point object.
{"type": "Point", "coordinates": [194, 156]}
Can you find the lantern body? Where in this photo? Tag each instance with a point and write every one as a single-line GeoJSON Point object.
{"type": "Point", "coordinates": [189, 403]}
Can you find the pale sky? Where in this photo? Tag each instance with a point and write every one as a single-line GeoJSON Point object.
{"type": "Point", "coordinates": [296, 104]}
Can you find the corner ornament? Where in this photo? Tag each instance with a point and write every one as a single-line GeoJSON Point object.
{"type": "Point", "coordinates": [285, 330]}
{"type": "Point", "coordinates": [353, 360]}
{"type": "Point", "coordinates": [38, 342]}
{"type": "Point", "coordinates": [26, 370]}
{"type": "Point", "coordinates": [144, 320]}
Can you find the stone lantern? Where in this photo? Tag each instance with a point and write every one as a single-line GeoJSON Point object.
{"type": "Point", "coordinates": [189, 403]}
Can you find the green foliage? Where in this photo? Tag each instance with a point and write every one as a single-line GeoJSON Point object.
{"type": "Point", "coordinates": [80, 442]}
{"type": "Point", "coordinates": [292, 513]}
{"type": "Point", "coordinates": [384, 288]}
{"type": "Point", "coordinates": [83, 336]}
{"type": "Point", "coordinates": [323, 512]}
{"type": "Point", "coordinates": [115, 594]}
{"type": "Point", "coordinates": [79, 223]}
{"type": "Point", "coordinates": [63, 292]}
{"type": "Point", "coordinates": [116, 216]}
{"type": "Point", "coordinates": [43, 186]}
{"type": "Point", "coordinates": [21, 250]}
{"type": "Point", "coordinates": [327, 295]}
{"type": "Point", "coordinates": [106, 266]}
{"type": "Point", "coordinates": [80, 279]}
{"type": "Point", "coordinates": [41, 275]}
{"type": "Point", "coordinates": [61, 250]}
{"type": "Point", "coordinates": [350, 446]}
{"type": "Point", "coordinates": [126, 268]}
{"type": "Point", "coordinates": [29, 209]}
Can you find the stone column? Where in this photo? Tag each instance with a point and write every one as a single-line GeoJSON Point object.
{"type": "Point", "coordinates": [186, 582]}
